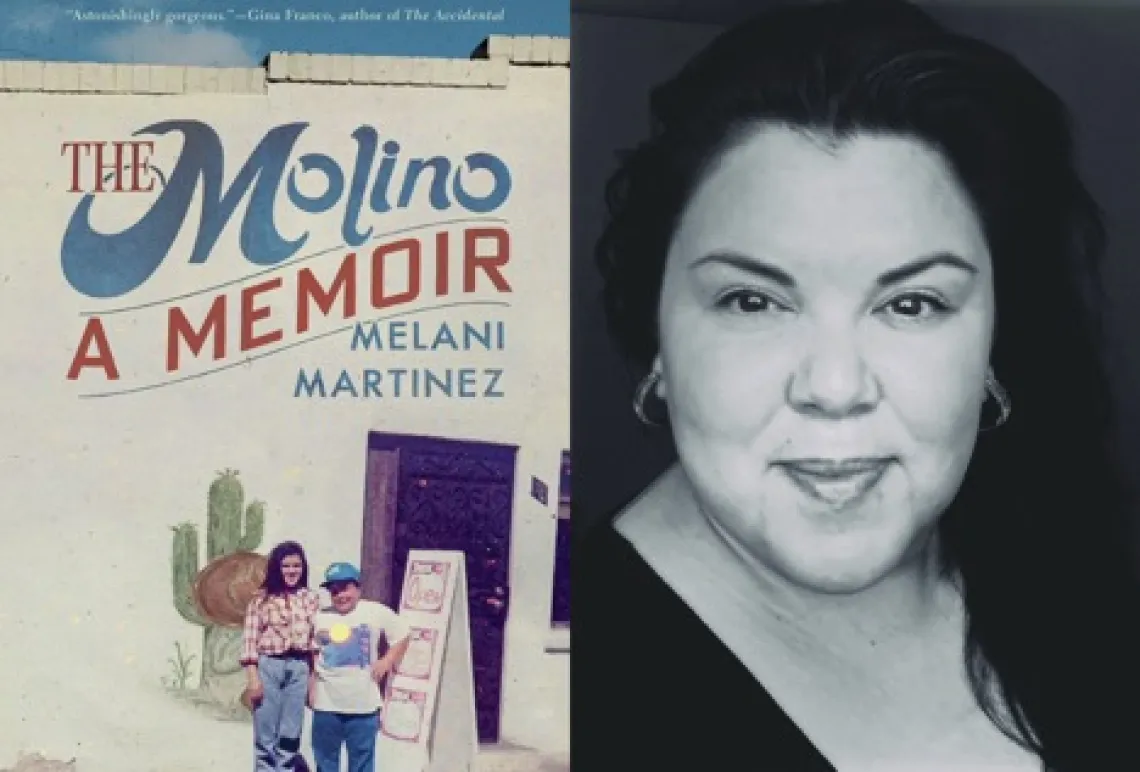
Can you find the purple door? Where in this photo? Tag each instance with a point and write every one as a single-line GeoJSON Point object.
{"type": "Point", "coordinates": [432, 493]}
{"type": "Point", "coordinates": [560, 603]}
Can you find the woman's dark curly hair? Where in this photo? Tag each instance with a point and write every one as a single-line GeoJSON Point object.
{"type": "Point", "coordinates": [274, 583]}
{"type": "Point", "coordinates": [1041, 531]}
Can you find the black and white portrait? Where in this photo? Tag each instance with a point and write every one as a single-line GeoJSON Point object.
{"type": "Point", "coordinates": [881, 518]}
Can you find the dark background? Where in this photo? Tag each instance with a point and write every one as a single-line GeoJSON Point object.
{"type": "Point", "coordinates": [1090, 54]}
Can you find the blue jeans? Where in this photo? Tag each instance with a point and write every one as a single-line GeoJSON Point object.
{"type": "Point", "coordinates": [279, 717]}
{"type": "Point", "coordinates": [356, 732]}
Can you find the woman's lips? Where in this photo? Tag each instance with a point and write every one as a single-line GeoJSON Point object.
{"type": "Point", "coordinates": [836, 482]}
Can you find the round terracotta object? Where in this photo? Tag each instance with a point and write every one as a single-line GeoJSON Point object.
{"type": "Point", "coordinates": [224, 588]}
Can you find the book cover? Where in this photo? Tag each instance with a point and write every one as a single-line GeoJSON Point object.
{"type": "Point", "coordinates": [324, 299]}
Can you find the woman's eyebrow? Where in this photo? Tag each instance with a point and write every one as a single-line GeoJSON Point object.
{"type": "Point", "coordinates": [748, 264]}
{"type": "Point", "coordinates": [923, 264]}
{"type": "Point", "coordinates": [765, 270]}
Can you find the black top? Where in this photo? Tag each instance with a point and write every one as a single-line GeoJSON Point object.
{"type": "Point", "coordinates": [654, 689]}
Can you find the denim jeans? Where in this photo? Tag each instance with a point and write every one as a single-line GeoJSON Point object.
{"type": "Point", "coordinates": [279, 717]}
{"type": "Point", "coordinates": [355, 731]}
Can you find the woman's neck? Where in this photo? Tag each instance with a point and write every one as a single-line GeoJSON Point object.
{"type": "Point", "coordinates": [876, 679]}
{"type": "Point", "coordinates": [668, 519]}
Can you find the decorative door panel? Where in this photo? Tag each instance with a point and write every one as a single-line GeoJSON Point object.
{"type": "Point", "coordinates": [457, 495]}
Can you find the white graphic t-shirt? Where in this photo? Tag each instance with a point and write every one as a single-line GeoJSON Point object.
{"type": "Point", "coordinates": [348, 647]}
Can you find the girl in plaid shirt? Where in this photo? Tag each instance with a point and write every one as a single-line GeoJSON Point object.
{"type": "Point", "coordinates": [277, 655]}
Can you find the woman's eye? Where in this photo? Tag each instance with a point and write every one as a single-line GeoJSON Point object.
{"type": "Point", "coordinates": [747, 302]}
{"type": "Point", "coordinates": [916, 306]}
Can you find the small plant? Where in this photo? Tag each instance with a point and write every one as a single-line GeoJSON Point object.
{"type": "Point", "coordinates": [231, 528]}
{"type": "Point", "coordinates": [213, 591]}
{"type": "Point", "coordinates": [181, 669]}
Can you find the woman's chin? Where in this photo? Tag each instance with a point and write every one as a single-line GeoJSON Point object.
{"type": "Point", "coordinates": [841, 570]}
{"type": "Point", "coordinates": [838, 580]}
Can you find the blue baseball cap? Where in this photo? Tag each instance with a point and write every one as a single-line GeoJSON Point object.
{"type": "Point", "coordinates": [341, 572]}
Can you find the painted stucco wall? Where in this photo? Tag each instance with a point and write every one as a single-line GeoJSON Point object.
{"type": "Point", "coordinates": [93, 485]}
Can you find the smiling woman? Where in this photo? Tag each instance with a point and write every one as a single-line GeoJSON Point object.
{"type": "Point", "coordinates": [809, 259]}
{"type": "Point", "coordinates": [277, 653]}
{"type": "Point", "coordinates": [853, 355]}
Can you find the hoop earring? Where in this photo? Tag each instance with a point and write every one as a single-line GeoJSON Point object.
{"type": "Point", "coordinates": [644, 389]}
{"type": "Point", "coordinates": [999, 395]}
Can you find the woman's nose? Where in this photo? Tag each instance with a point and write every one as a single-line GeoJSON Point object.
{"type": "Point", "coordinates": [833, 379]}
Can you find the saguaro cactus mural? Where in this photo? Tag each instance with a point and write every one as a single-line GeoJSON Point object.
{"type": "Point", "coordinates": [216, 595]}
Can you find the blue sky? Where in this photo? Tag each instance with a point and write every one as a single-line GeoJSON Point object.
{"type": "Point", "coordinates": [240, 33]}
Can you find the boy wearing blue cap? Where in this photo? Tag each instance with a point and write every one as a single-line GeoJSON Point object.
{"type": "Point", "coordinates": [344, 691]}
